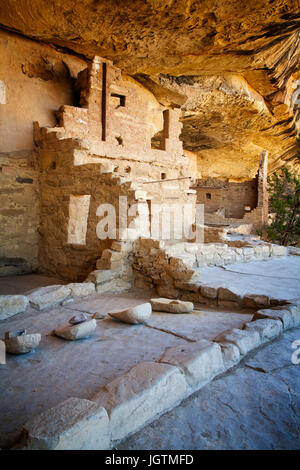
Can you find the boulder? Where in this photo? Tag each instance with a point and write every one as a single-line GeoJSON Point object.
{"type": "Point", "coordinates": [22, 343]}
{"type": "Point", "coordinates": [11, 305]}
{"type": "Point", "coordinates": [171, 306]}
{"type": "Point", "coordinates": [79, 331]}
{"type": "Point", "coordinates": [134, 315]}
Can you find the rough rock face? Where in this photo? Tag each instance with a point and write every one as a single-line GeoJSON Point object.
{"type": "Point", "coordinates": [226, 120]}
{"type": "Point", "coordinates": [235, 63]}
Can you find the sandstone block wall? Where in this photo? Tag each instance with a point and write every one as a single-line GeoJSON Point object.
{"type": "Point", "coordinates": [34, 80]}
{"type": "Point", "coordinates": [96, 154]}
{"type": "Point", "coordinates": [228, 202]}
{"type": "Point", "coordinates": [229, 197]}
{"type": "Point", "coordinates": [19, 214]}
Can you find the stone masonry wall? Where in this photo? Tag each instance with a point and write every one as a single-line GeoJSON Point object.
{"type": "Point", "coordinates": [19, 215]}
{"type": "Point", "coordinates": [231, 198]}
{"type": "Point", "coordinates": [225, 202]}
{"type": "Point", "coordinates": [98, 153]}
{"type": "Point", "coordinates": [34, 80]}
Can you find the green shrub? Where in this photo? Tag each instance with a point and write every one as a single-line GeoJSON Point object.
{"type": "Point", "coordinates": [284, 203]}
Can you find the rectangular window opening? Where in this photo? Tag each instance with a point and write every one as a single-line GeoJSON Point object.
{"type": "Point", "coordinates": [118, 100]}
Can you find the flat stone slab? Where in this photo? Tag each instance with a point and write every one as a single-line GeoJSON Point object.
{"type": "Point", "coordinates": [12, 305]}
{"type": "Point", "coordinates": [104, 303]}
{"type": "Point", "coordinates": [275, 278]}
{"type": "Point", "coordinates": [78, 331]}
{"type": "Point", "coordinates": [171, 306]}
{"type": "Point", "coordinates": [200, 324]}
{"type": "Point", "coordinates": [74, 424]}
{"type": "Point", "coordinates": [133, 399]}
{"type": "Point", "coordinates": [34, 382]}
{"type": "Point", "coordinates": [247, 409]}
{"type": "Point", "coordinates": [200, 361]}
{"type": "Point", "coordinates": [49, 296]}
{"type": "Point", "coordinates": [134, 315]}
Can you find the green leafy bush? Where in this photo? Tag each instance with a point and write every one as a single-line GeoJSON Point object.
{"type": "Point", "coordinates": [284, 203]}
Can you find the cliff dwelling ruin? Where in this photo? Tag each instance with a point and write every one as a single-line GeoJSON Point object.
{"type": "Point", "coordinates": [136, 142]}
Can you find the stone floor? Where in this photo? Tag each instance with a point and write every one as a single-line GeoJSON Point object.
{"type": "Point", "coordinates": [256, 406]}
{"type": "Point", "coordinates": [60, 369]}
{"type": "Point", "coordinates": [278, 277]}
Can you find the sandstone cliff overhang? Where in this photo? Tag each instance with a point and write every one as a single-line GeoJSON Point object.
{"type": "Point", "coordinates": [241, 59]}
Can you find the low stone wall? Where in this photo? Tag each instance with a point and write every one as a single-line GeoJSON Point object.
{"type": "Point", "coordinates": [151, 264]}
{"type": "Point", "coordinates": [150, 389]}
{"type": "Point", "coordinates": [154, 266]}
{"type": "Point", "coordinates": [169, 267]}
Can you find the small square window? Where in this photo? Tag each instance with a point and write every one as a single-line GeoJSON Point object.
{"type": "Point", "coordinates": [118, 100]}
{"type": "Point", "coordinates": [208, 195]}
{"type": "Point", "coordinates": [163, 176]}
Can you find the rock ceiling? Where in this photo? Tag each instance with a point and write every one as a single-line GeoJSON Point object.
{"type": "Point", "coordinates": [233, 66]}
